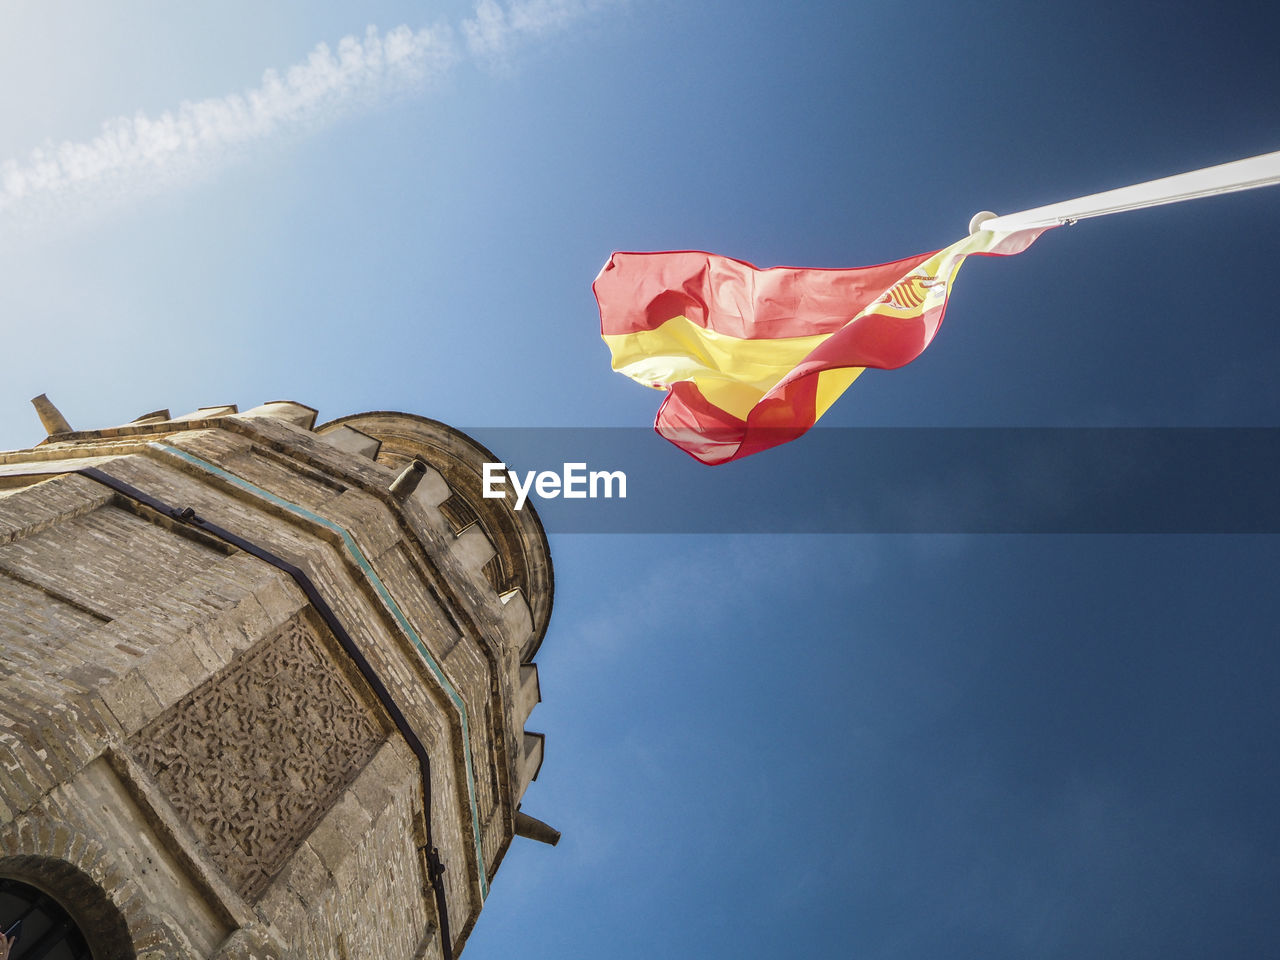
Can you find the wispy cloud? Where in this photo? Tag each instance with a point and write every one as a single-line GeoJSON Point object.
{"type": "Point", "coordinates": [495, 31]}
{"type": "Point", "coordinates": [142, 154]}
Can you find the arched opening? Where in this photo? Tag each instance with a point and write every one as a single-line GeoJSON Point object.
{"type": "Point", "coordinates": [44, 930]}
{"type": "Point", "coordinates": [61, 914]}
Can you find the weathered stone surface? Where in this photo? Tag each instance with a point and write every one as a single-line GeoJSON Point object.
{"type": "Point", "coordinates": [254, 757]}
{"type": "Point", "coordinates": [187, 746]}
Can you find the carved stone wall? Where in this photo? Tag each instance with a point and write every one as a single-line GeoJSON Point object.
{"type": "Point", "coordinates": [229, 783]}
{"type": "Point", "coordinates": [253, 757]}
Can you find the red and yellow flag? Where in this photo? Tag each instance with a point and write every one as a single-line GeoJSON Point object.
{"type": "Point", "coordinates": [752, 358]}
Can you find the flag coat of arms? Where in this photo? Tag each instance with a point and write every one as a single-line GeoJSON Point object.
{"type": "Point", "coordinates": [752, 358]}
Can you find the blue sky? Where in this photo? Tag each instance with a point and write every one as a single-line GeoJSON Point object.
{"type": "Point", "coordinates": [828, 746]}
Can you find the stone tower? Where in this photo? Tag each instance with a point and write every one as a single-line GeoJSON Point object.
{"type": "Point", "coordinates": [263, 686]}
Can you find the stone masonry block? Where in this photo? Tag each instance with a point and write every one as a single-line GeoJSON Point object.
{"type": "Point", "coordinates": [473, 548]}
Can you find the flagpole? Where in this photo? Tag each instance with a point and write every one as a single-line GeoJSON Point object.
{"type": "Point", "coordinates": [1260, 171]}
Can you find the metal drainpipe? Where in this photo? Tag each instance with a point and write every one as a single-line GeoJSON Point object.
{"type": "Point", "coordinates": [188, 515]}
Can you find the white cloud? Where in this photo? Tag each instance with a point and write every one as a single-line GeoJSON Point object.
{"type": "Point", "coordinates": [140, 154]}
{"type": "Point", "coordinates": [494, 31]}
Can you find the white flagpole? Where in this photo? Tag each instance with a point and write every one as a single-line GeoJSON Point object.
{"type": "Point", "coordinates": [1247, 174]}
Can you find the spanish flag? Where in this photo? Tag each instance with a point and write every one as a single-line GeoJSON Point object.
{"type": "Point", "coordinates": [752, 358]}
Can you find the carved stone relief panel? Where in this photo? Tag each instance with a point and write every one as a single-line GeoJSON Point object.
{"type": "Point", "coordinates": [253, 757]}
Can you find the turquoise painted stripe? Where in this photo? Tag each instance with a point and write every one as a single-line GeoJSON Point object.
{"type": "Point", "coordinates": [362, 562]}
